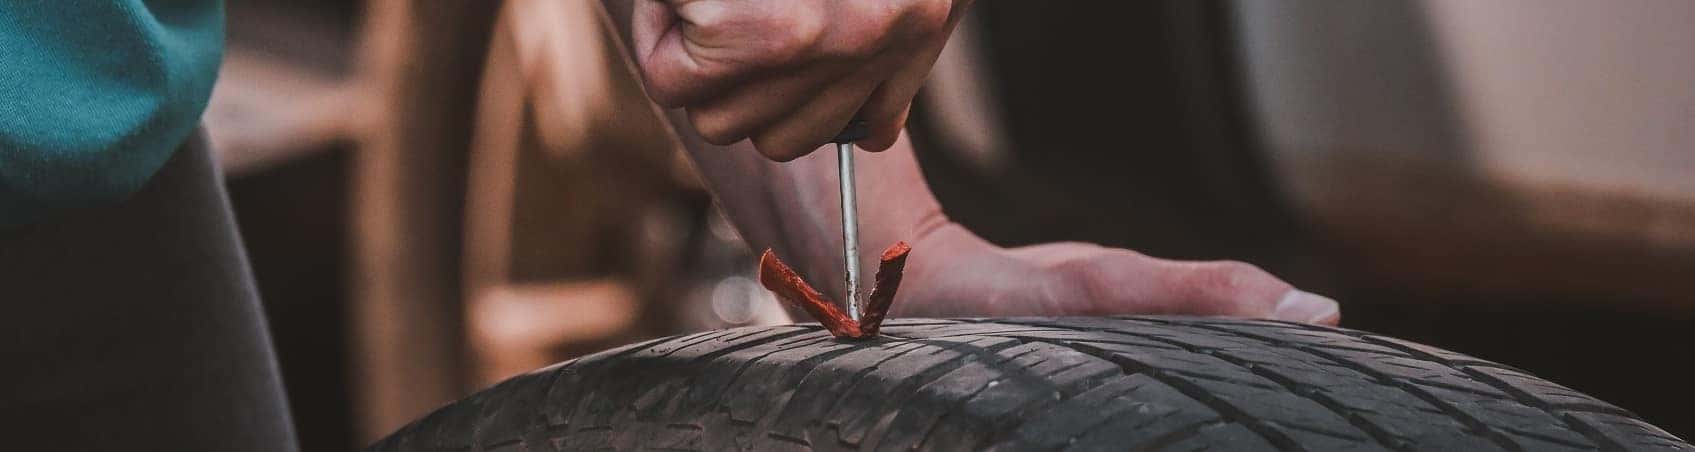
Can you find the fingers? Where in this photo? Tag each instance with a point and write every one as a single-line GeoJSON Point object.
{"type": "Point", "coordinates": [789, 73]}
{"type": "Point", "coordinates": [1313, 308]}
{"type": "Point", "coordinates": [755, 106]}
{"type": "Point", "coordinates": [887, 108]}
{"type": "Point", "coordinates": [814, 124]}
{"type": "Point", "coordinates": [1240, 289]}
{"type": "Point", "coordinates": [1116, 281]}
{"type": "Point", "coordinates": [693, 50]}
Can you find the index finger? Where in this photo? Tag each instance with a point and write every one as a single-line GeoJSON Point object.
{"type": "Point", "coordinates": [694, 50]}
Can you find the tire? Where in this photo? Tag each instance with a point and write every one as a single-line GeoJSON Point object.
{"type": "Point", "coordinates": [1133, 383]}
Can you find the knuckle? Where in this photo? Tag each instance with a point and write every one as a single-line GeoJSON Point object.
{"type": "Point", "coordinates": [882, 25]}
{"type": "Point", "coordinates": [866, 28]}
{"type": "Point", "coordinates": [790, 37]}
{"type": "Point", "coordinates": [1078, 285]}
{"type": "Point", "coordinates": [1222, 278]}
{"type": "Point", "coordinates": [1086, 274]}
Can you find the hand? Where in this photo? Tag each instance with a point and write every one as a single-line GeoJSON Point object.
{"type": "Point", "coordinates": [953, 273]}
{"type": "Point", "coordinates": [790, 74]}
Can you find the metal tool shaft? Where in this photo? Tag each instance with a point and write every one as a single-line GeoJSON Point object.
{"type": "Point", "coordinates": [850, 227]}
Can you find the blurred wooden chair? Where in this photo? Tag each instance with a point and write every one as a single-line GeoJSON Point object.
{"type": "Point", "coordinates": [577, 204]}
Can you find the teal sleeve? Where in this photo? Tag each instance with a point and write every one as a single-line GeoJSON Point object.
{"type": "Point", "coordinates": [95, 95]}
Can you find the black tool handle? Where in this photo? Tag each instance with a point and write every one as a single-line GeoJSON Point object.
{"type": "Point", "coordinates": [856, 130]}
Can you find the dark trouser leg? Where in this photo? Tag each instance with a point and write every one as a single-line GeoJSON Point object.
{"type": "Point", "coordinates": [137, 327]}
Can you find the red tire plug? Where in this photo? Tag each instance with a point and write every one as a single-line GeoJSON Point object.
{"type": "Point", "coordinates": [793, 290]}
{"type": "Point", "coordinates": [790, 288]}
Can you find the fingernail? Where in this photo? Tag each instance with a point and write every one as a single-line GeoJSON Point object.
{"type": "Point", "coordinates": [1306, 307]}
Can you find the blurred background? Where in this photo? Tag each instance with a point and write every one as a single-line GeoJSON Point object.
{"type": "Point", "coordinates": [438, 195]}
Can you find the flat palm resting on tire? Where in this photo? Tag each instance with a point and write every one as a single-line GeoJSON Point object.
{"type": "Point", "coordinates": [1081, 383]}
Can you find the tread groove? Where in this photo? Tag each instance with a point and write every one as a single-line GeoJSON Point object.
{"type": "Point", "coordinates": [1475, 424]}
{"type": "Point", "coordinates": [1136, 383]}
{"type": "Point", "coordinates": [1595, 435]}
{"type": "Point", "coordinates": [909, 388]}
{"type": "Point", "coordinates": [968, 354]}
{"type": "Point", "coordinates": [1172, 437]}
{"type": "Point", "coordinates": [1481, 427]}
{"type": "Point", "coordinates": [1383, 437]}
{"type": "Point", "coordinates": [1224, 408]}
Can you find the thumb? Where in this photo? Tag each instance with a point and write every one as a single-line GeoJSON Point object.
{"type": "Point", "coordinates": [1233, 288]}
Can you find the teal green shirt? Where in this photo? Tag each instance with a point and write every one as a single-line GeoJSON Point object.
{"type": "Point", "coordinates": [96, 94]}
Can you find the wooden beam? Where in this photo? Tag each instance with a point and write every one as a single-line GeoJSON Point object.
{"type": "Point", "coordinates": [420, 62]}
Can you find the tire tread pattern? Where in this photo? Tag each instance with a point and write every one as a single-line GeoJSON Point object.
{"type": "Point", "coordinates": [1124, 383]}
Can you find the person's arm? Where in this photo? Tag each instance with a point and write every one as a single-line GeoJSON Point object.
{"type": "Point", "coordinates": [95, 97]}
{"type": "Point", "coordinates": [791, 208]}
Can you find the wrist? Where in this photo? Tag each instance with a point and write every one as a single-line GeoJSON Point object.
{"type": "Point", "coordinates": [953, 272]}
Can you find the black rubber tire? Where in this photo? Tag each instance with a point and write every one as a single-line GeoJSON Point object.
{"type": "Point", "coordinates": [1134, 383]}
